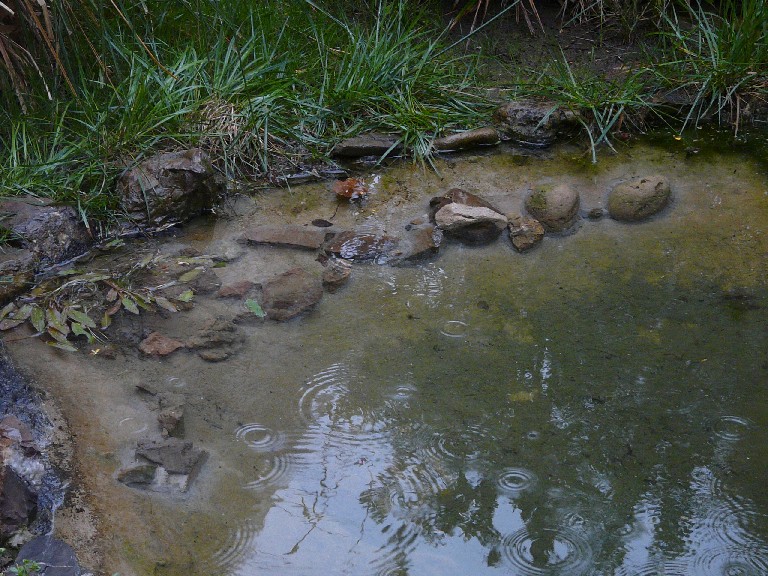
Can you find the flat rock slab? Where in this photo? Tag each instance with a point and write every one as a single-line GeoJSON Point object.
{"type": "Point", "coordinates": [556, 207]}
{"type": "Point", "coordinates": [175, 455]}
{"type": "Point", "coordinates": [55, 557]}
{"type": "Point", "coordinates": [639, 199]}
{"type": "Point", "coordinates": [294, 236]}
{"type": "Point", "coordinates": [352, 245]}
{"type": "Point", "coordinates": [455, 216]}
{"type": "Point", "coordinates": [372, 144]}
{"type": "Point", "coordinates": [291, 293]}
{"type": "Point", "coordinates": [420, 241]}
{"type": "Point", "coordinates": [487, 136]}
{"type": "Point", "coordinates": [157, 344]}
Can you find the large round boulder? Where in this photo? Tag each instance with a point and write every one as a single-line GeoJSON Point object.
{"type": "Point", "coordinates": [556, 207]}
{"type": "Point", "coordinates": [638, 199]}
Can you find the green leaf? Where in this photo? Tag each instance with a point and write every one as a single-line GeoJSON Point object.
{"type": "Point", "coordinates": [81, 317]}
{"type": "Point", "coordinates": [166, 304]}
{"type": "Point", "coordinates": [106, 320]}
{"type": "Point", "coordinates": [191, 275]}
{"type": "Point", "coordinates": [38, 319]}
{"type": "Point", "coordinates": [62, 346]}
{"type": "Point", "coordinates": [130, 305]}
{"type": "Point", "coordinates": [54, 319]}
{"type": "Point", "coordinates": [220, 265]}
{"type": "Point", "coordinates": [57, 335]}
{"type": "Point", "coordinates": [9, 323]}
{"type": "Point", "coordinates": [116, 243]}
{"type": "Point", "coordinates": [7, 309]}
{"type": "Point", "coordinates": [185, 296]}
{"type": "Point", "coordinates": [255, 308]}
{"type": "Point", "coordinates": [24, 312]}
{"type": "Point", "coordinates": [68, 272]}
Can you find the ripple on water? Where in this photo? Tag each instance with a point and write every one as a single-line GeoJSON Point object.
{"type": "Point", "coordinates": [657, 568]}
{"type": "Point", "coordinates": [551, 552]}
{"type": "Point", "coordinates": [239, 541]}
{"type": "Point", "coordinates": [731, 428]}
{"type": "Point", "coordinates": [457, 445]}
{"type": "Point", "coordinates": [516, 481]}
{"type": "Point", "coordinates": [325, 393]}
{"type": "Point", "coordinates": [393, 557]}
{"type": "Point", "coordinates": [731, 561]}
{"type": "Point", "coordinates": [260, 438]}
{"type": "Point", "coordinates": [728, 522]}
{"type": "Point", "coordinates": [132, 426]}
{"type": "Point", "coordinates": [454, 329]}
{"type": "Point", "coordinates": [270, 470]}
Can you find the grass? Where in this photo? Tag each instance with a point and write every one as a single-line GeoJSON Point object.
{"type": "Point", "coordinates": [91, 87]}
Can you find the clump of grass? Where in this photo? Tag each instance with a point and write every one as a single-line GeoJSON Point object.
{"type": "Point", "coordinates": [718, 58]}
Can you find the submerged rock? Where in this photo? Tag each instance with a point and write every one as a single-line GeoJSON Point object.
{"type": "Point", "coordinates": [291, 235]}
{"type": "Point", "coordinates": [236, 289]}
{"type": "Point", "coordinates": [156, 344]}
{"type": "Point", "coordinates": [169, 188]}
{"type": "Point", "coordinates": [639, 199]}
{"type": "Point", "coordinates": [525, 232]}
{"type": "Point", "coordinates": [173, 454]}
{"type": "Point", "coordinates": [556, 207]}
{"type": "Point", "coordinates": [419, 242]}
{"type": "Point", "coordinates": [534, 123]}
{"type": "Point", "coordinates": [487, 136]}
{"type": "Point", "coordinates": [291, 293]}
{"type": "Point", "coordinates": [18, 503]}
{"type": "Point", "coordinates": [467, 217]}
{"type": "Point", "coordinates": [336, 273]}
{"type": "Point", "coordinates": [217, 340]}
{"type": "Point", "coordinates": [54, 556]}
{"type": "Point", "coordinates": [351, 245]}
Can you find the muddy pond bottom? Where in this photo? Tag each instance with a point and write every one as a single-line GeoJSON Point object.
{"type": "Point", "coordinates": [595, 407]}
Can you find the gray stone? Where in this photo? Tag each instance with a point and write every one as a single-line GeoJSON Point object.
{"type": "Point", "coordinates": [352, 245]}
{"type": "Point", "coordinates": [336, 273]}
{"type": "Point", "coordinates": [534, 123]}
{"type": "Point", "coordinates": [137, 475]}
{"type": "Point", "coordinates": [556, 207]}
{"type": "Point", "coordinates": [525, 232]}
{"type": "Point", "coordinates": [173, 454]}
{"type": "Point", "coordinates": [294, 236]}
{"type": "Point", "coordinates": [52, 233]}
{"type": "Point", "coordinates": [55, 557]}
{"type": "Point", "coordinates": [171, 415]}
{"type": "Point", "coordinates": [420, 241]}
{"type": "Point", "coordinates": [169, 188]}
{"type": "Point", "coordinates": [467, 217]}
{"type": "Point", "coordinates": [487, 136]}
{"type": "Point", "coordinates": [372, 144]}
{"type": "Point", "coordinates": [291, 293]}
{"type": "Point", "coordinates": [217, 340]}
{"type": "Point", "coordinates": [18, 503]}
{"type": "Point", "coordinates": [454, 216]}
{"type": "Point", "coordinates": [639, 199]}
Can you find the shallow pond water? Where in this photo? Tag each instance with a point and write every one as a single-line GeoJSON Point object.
{"type": "Point", "coordinates": [595, 407]}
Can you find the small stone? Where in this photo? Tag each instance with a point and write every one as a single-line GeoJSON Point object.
{"type": "Point", "coordinates": [137, 475]}
{"type": "Point", "coordinates": [352, 245]}
{"type": "Point", "coordinates": [157, 344]}
{"type": "Point", "coordinates": [336, 273]}
{"type": "Point", "coordinates": [291, 293]}
{"type": "Point", "coordinates": [595, 214]}
{"type": "Point", "coordinates": [217, 340]}
{"type": "Point", "coordinates": [469, 139]}
{"type": "Point", "coordinates": [171, 416]}
{"type": "Point", "coordinates": [639, 199]}
{"type": "Point", "coordinates": [525, 232]}
{"type": "Point", "coordinates": [556, 207]}
{"type": "Point", "coordinates": [455, 216]}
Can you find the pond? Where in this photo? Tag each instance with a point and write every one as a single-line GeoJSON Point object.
{"type": "Point", "coordinates": [596, 406]}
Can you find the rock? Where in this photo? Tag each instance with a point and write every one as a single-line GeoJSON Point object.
{"type": "Point", "coordinates": [525, 232]}
{"type": "Point", "coordinates": [556, 207]}
{"type": "Point", "coordinates": [534, 123]}
{"type": "Point", "coordinates": [291, 293]}
{"type": "Point", "coordinates": [467, 217]}
{"type": "Point", "coordinates": [173, 454]}
{"type": "Point", "coordinates": [595, 214]}
{"type": "Point", "coordinates": [171, 416]}
{"type": "Point", "coordinates": [294, 236]}
{"type": "Point", "coordinates": [420, 241]}
{"type": "Point", "coordinates": [371, 144]}
{"type": "Point", "coordinates": [236, 290]}
{"type": "Point", "coordinates": [638, 199]}
{"type": "Point", "coordinates": [16, 433]}
{"type": "Point", "coordinates": [352, 245]}
{"type": "Point", "coordinates": [55, 557]}
{"type": "Point", "coordinates": [454, 216]}
{"type": "Point", "coordinates": [169, 188]}
{"type": "Point", "coordinates": [470, 139]}
{"type": "Point", "coordinates": [157, 344]}
{"type": "Point", "coordinates": [18, 503]}
{"type": "Point", "coordinates": [52, 233]}
{"type": "Point", "coordinates": [217, 340]}
{"type": "Point", "coordinates": [137, 475]}
{"type": "Point", "coordinates": [336, 273]}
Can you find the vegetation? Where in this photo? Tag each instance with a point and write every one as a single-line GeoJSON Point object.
{"type": "Point", "coordinates": [89, 87]}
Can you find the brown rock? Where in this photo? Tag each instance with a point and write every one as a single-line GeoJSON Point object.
{"type": "Point", "coordinates": [419, 242]}
{"type": "Point", "coordinates": [525, 232]}
{"type": "Point", "coordinates": [556, 207]}
{"type": "Point", "coordinates": [236, 290]}
{"type": "Point", "coordinates": [18, 503]}
{"type": "Point", "coordinates": [454, 216]}
{"type": "Point", "coordinates": [639, 199]}
{"type": "Point", "coordinates": [138, 475]}
{"type": "Point", "coordinates": [289, 235]}
{"type": "Point", "coordinates": [470, 139]}
{"type": "Point", "coordinates": [171, 416]}
{"type": "Point", "coordinates": [217, 340]}
{"type": "Point", "coordinates": [371, 144]}
{"type": "Point", "coordinates": [291, 293]}
{"type": "Point", "coordinates": [336, 273]}
{"type": "Point", "coordinates": [534, 123]}
{"type": "Point", "coordinates": [157, 344]}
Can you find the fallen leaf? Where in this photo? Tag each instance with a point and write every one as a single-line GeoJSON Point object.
{"type": "Point", "coordinates": [351, 188]}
